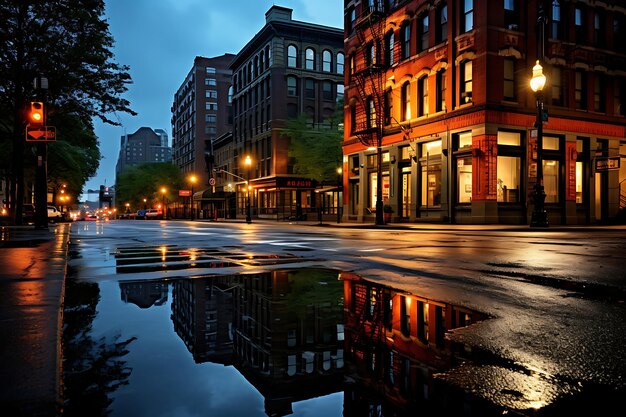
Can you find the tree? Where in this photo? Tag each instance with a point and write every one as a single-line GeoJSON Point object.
{"type": "Point", "coordinates": [145, 181]}
{"type": "Point", "coordinates": [68, 42]}
{"type": "Point", "coordinates": [317, 151]}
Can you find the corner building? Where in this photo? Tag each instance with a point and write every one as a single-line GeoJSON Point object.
{"type": "Point", "coordinates": [288, 68]}
{"type": "Point", "coordinates": [446, 85]}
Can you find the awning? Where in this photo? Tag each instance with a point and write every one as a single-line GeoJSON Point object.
{"type": "Point", "coordinates": [209, 195]}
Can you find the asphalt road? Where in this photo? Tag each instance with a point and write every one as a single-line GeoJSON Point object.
{"type": "Point", "coordinates": [556, 298]}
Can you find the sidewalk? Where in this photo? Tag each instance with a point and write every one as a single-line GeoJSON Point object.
{"type": "Point", "coordinates": [32, 275]}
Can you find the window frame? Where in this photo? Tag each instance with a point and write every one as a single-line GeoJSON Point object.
{"type": "Point", "coordinates": [309, 62]}
{"type": "Point", "coordinates": [292, 59]}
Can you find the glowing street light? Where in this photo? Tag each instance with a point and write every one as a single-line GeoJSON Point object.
{"type": "Point", "coordinates": [248, 164]}
{"type": "Point", "coordinates": [192, 179]}
{"type": "Point", "coordinates": [164, 212]}
{"type": "Point", "coordinates": [539, 217]}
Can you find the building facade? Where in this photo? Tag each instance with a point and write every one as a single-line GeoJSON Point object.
{"type": "Point", "coordinates": [289, 68]}
{"type": "Point", "coordinates": [201, 112]}
{"type": "Point", "coordinates": [144, 146]}
{"type": "Point", "coordinates": [441, 88]}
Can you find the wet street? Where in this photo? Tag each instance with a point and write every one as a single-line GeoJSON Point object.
{"type": "Point", "coordinates": [191, 318]}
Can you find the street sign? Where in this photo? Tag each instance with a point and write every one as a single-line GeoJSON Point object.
{"type": "Point", "coordinates": [608, 163]}
{"type": "Point", "coordinates": [211, 181]}
{"type": "Point", "coordinates": [41, 134]}
{"type": "Point", "coordinates": [184, 193]}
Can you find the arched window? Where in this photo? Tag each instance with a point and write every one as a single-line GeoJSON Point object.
{"type": "Point", "coordinates": [230, 94]}
{"type": "Point", "coordinates": [340, 59]}
{"type": "Point", "coordinates": [389, 41]}
{"type": "Point", "coordinates": [422, 90]}
{"type": "Point", "coordinates": [292, 56]}
{"type": "Point", "coordinates": [406, 101]}
{"type": "Point", "coordinates": [309, 59]}
{"type": "Point", "coordinates": [327, 61]}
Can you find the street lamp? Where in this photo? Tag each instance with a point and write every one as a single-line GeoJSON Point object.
{"type": "Point", "coordinates": [145, 206]}
{"type": "Point", "coordinates": [127, 208]}
{"type": "Point", "coordinates": [192, 179]}
{"type": "Point", "coordinates": [248, 163]}
{"type": "Point", "coordinates": [339, 189]}
{"type": "Point", "coordinates": [164, 214]}
{"type": "Point", "coordinates": [539, 216]}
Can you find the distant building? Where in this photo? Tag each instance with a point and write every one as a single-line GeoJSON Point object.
{"type": "Point", "coordinates": [287, 69]}
{"type": "Point", "coordinates": [201, 112]}
{"type": "Point", "coordinates": [144, 146]}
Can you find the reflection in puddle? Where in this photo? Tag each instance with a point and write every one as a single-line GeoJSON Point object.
{"type": "Point", "coordinates": [298, 341]}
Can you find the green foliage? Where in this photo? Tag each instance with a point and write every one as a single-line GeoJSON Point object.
{"type": "Point", "coordinates": [316, 150]}
{"type": "Point", "coordinates": [69, 43]}
{"type": "Point", "coordinates": [145, 181]}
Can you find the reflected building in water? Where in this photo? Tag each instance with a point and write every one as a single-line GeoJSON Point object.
{"type": "Point", "coordinates": [395, 344]}
{"type": "Point", "coordinates": [282, 330]}
{"type": "Point", "coordinates": [144, 294]}
{"type": "Point", "coordinates": [202, 313]}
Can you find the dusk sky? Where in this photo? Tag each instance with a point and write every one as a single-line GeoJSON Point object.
{"type": "Point", "coordinates": [159, 41]}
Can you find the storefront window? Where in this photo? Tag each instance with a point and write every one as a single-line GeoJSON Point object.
{"type": "Point", "coordinates": [509, 167]}
{"type": "Point", "coordinates": [465, 139]}
{"type": "Point", "coordinates": [582, 145]}
{"type": "Point", "coordinates": [464, 179]}
{"type": "Point", "coordinates": [431, 173]}
{"type": "Point", "coordinates": [551, 180]}
{"type": "Point", "coordinates": [374, 189]}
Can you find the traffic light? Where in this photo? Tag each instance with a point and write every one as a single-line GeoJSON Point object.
{"type": "Point", "coordinates": [36, 115]}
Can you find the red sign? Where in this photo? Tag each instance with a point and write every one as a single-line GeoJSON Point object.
{"type": "Point", "coordinates": [184, 193]}
{"type": "Point", "coordinates": [41, 134]}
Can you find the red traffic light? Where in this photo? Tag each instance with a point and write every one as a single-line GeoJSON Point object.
{"type": "Point", "coordinates": [36, 116]}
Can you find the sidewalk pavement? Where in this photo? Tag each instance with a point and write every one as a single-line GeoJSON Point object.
{"type": "Point", "coordinates": [32, 277]}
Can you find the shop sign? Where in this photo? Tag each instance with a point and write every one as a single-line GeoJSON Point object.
{"type": "Point", "coordinates": [303, 183]}
{"type": "Point", "coordinates": [607, 164]}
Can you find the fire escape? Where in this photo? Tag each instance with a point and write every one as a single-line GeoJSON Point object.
{"type": "Point", "coordinates": [367, 76]}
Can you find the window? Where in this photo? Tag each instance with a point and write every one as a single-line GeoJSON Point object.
{"type": "Point", "coordinates": [556, 87]}
{"type": "Point", "coordinates": [340, 59]}
{"type": "Point", "coordinates": [210, 82]}
{"type": "Point", "coordinates": [388, 107]}
{"type": "Point", "coordinates": [467, 22]}
{"type": "Point", "coordinates": [464, 168]}
{"type": "Point", "coordinates": [598, 27]}
{"type": "Point", "coordinates": [210, 118]}
{"type": "Point", "coordinates": [422, 91]}
{"type": "Point", "coordinates": [422, 43]}
{"type": "Point", "coordinates": [309, 88]}
{"type": "Point", "coordinates": [371, 54]}
{"type": "Point", "coordinates": [422, 321]}
{"type": "Point", "coordinates": [292, 86]}
{"type": "Point", "coordinates": [339, 96]}
{"type": "Point", "coordinates": [405, 94]}
{"type": "Point", "coordinates": [511, 15]}
{"type": "Point", "coordinates": [352, 19]}
{"type": "Point", "coordinates": [466, 82]}
{"type": "Point", "coordinates": [550, 163]}
{"type": "Point", "coordinates": [211, 106]}
{"type": "Point", "coordinates": [327, 90]}
{"type": "Point", "coordinates": [599, 93]}
{"type": "Point", "coordinates": [580, 94]}
{"type": "Point", "coordinates": [579, 24]}
{"type": "Point", "coordinates": [619, 28]}
{"type": "Point", "coordinates": [371, 113]}
{"type": "Point", "coordinates": [442, 20]}
{"type": "Point", "coordinates": [390, 48]}
{"type": "Point", "coordinates": [619, 97]}
{"type": "Point", "coordinates": [309, 59]}
{"type": "Point", "coordinates": [582, 148]}
{"type": "Point", "coordinates": [406, 40]}
{"type": "Point", "coordinates": [556, 29]}
{"type": "Point", "coordinates": [441, 90]}
{"type": "Point", "coordinates": [292, 56]}
{"type": "Point", "coordinates": [405, 315]}
{"type": "Point", "coordinates": [431, 173]}
{"type": "Point", "coordinates": [327, 61]}
{"type": "Point", "coordinates": [509, 167]}
{"type": "Point", "coordinates": [210, 70]}
{"type": "Point", "coordinates": [230, 94]}
{"type": "Point", "coordinates": [509, 79]}
{"type": "Point", "coordinates": [211, 93]}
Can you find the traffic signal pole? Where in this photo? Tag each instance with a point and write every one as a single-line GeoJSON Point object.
{"type": "Point", "coordinates": [37, 116]}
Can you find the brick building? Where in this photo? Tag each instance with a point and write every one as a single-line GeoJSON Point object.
{"type": "Point", "coordinates": [287, 69]}
{"type": "Point", "coordinates": [442, 89]}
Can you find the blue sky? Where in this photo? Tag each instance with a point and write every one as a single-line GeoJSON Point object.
{"type": "Point", "coordinates": [159, 40]}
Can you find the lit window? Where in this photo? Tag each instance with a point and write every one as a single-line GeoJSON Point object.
{"type": "Point", "coordinates": [466, 82]}
{"type": "Point", "coordinates": [406, 101]}
{"type": "Point", "coordinates": [422, 86]}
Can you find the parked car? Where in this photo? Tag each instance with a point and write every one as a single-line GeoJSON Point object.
{"type": "Point", "coordinates": [153, 214]}
{"type": "Point", "coordinates": [54, 215]}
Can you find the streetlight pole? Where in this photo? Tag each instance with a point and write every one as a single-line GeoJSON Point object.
{"type": "Point", "coordinates": [248, 163]}
{"type": "Point", "coordinates": [539, 216]}
{"type": "Point", "coordinates": [192, 180]}
{"type": "Point", "coordinates": [163, 191]}
{"type": "Point", "coordinates": [339, 196]}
